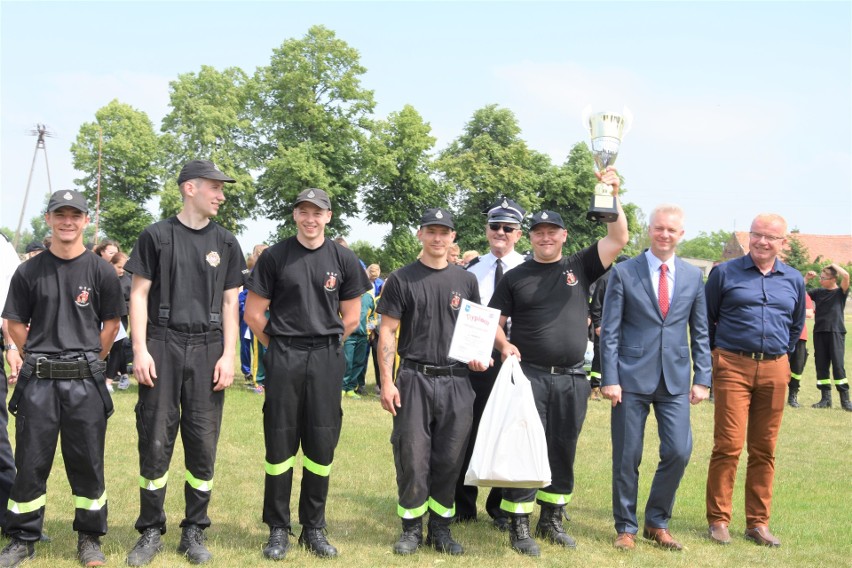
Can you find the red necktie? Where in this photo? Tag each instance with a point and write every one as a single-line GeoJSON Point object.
{"type": "Point", "coordinates": [664, 290]}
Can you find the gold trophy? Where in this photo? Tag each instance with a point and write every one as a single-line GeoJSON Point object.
{"type": "Point", "coordinates": [607, 130]}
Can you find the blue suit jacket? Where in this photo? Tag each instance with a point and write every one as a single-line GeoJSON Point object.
{"type": "Point", "coordinates": [637, 344]}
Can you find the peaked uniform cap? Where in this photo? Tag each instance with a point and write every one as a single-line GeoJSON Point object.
{"type": "Point", "coordinates": [504, 210]}
{"type": "Point", "coordinates": [549, 217]}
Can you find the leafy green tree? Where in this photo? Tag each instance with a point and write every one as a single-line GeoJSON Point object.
{"type": "Point", "coordinates": [210, 119]}
{"type": "Point", "coordinates": [487, 160]}
{"type": "Point", "coordinates": [796, 254]}
{"type": "Point", "coordinates": [129, 169]}
{"type": "Point", "coordinates": [705, 246]}
{"type": "Point", "coordinates": [400, 178]}
{"type": "Point", "coordinates": [313, 118]}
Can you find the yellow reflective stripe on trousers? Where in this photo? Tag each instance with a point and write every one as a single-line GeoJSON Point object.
{"type": "Point", "coordinates": [594, 375]}
{"type": "Point", "coordinates": [90, 504]}
{"type": "Point", "coordinates": [796, 376]}
{"type": "Point", "coordinates": [153, 484]}
{"type": "Point", "coordinates": [29, 506]}
{"type": "Point", "coordinates": [200, 484]}
{"type": "Point", "coordinates": [412, 513]}
{"type": "Point", "coordinates": [826, 382]}
{"type": "Point", "coordinates": [315, 468]}
{"type": "Point", "coordinates": [553, 498]}
{"type": "Point", "coordinates": [279, 468]}
{"type": "Point", "coordinates": [517, 508]}
{"type": "Point", "coordinates": [441, 510]}
{"type": "Point", "coordinates": [843, 381]}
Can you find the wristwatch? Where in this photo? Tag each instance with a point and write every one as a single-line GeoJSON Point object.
{"type": "Point", "coordinates": [10, 347]}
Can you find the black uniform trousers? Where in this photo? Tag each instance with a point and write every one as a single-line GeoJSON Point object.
{"type": "Point", "coordinates": [798, 359]}
{"type": "Point", "coordinates": [304, 377]}
{"type": "Point", "coordinates": [182, 396]}
{"type": "Point", "coordinates": [48, 409]}
{"type": "Point", "coordinates": [482, 384]}
{"type": "Point", "coordinates": [430, 434]}
{"type": "Point", "coordinates": [561, 401]}
{"type": "Point", "coordinates": [595, 376]}
{"type": "Point", "coordinates": [7, 459]}
{"type": "Point", "coordinates": [829, 350]}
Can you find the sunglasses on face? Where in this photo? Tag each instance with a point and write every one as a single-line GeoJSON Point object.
{"type": "Point", "coordinates": [506, 228]}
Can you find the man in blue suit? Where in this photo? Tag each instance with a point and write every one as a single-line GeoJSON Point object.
{"type": "Point", "coordinates": [652, 300]}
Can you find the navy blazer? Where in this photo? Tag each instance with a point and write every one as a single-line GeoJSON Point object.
{"type": "Point", "coordinates": [637, 344]}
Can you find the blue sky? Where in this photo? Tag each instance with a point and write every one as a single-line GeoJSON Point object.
{"type": "Point", "coordinates": [739, 108]}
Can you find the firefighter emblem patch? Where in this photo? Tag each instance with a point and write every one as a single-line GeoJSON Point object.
{"type": "Point", "coordinates": [330, 282]}
{"type": "Point", "coordinates": [82, 298]}
{"type": "Point", "coordinates": [455, 301]}
{"type": "Point", "coordinates": [213, 258]}
{"type": "Point", "coordinates": [570, 278]}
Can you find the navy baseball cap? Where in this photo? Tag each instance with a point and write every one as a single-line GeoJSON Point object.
{"type": "Point", "coordinates": [67, 198]}
{"type": "Point", "coordinates": [316, 196]}
{"type": "Point", "coordinates": [437, 216]}
{"type": "Point", "coordinates": [504, 210]}
{"type": "Point", "coordinates": [202, 169]}
{"type": "Point", "coordinates": [548, 217]}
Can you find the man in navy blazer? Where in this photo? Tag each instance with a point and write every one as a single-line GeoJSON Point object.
{"type": "Point", "coordinates": [652, 300]}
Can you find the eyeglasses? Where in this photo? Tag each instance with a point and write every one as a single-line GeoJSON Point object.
{"type": "Point", "coordinates": [827, 278]}
{"type": "Point", "coordinates": [769, 238]}
{"type": "Point", "coordinates": [506, 228]}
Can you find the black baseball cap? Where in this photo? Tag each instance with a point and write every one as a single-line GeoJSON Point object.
{"type": "Point", "coordinates": [548, 217]}
{"type": "Point", "coordinates": [202, 169]}
{"type": "Point", "coordinates": [437, 216]}
{"type": "Point", "coordinates": [67, 198]}
{"type": "Point", "coordinates": [33, 247]}
{"type": "Point", "coordinates": [316, 196]}
{"type": "Point", "coordinates": [504, 210]}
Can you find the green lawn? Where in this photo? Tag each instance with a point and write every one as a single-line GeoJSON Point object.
{"type": "Point", "coordinates": [812, 509]}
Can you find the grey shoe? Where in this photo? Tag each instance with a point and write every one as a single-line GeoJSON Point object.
{"type": "Point", "coordinates": [146, 548]}
{"type": "Point", "coordinates": [124, 383]}
{"type": "Point", "coordinates": [192, 545]}
{"type": "Point", "coordinates": [16, 552]}
{"type": "Point", "coordinates": [89, 550]}
{"type": "Point", "coordinates": [278, 545]}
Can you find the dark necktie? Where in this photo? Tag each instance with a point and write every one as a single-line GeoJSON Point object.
{"type": "Point", "coordinates": [498, 273]}
{"type": "Point", "coordinates": [664, 290]}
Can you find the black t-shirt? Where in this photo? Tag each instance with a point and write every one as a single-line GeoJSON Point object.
{"type": "Point", "coordinates": [828, 309]}
{"type": "Point", "coordinates": [197, 258]}
{"type": "Point", "coordinates": [548, 304]}
{"type": "Point", "coordinates": [305, 287]}
{"type": "Point", "coordinates": [427, 301]}
{"type": "Point", "coordinates": [64, 302]}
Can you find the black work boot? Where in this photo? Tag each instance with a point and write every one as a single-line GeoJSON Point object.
{"type": "Point", "coordinates": [411, 538]}
{"type": "Point", "coordinates": [16, 552]}
{"type": "Point", "coordinates": [520, 538]}
{"type": "Point", "coordinates": [192, 545]}
{"type": "Point", "coordinates": [793, 397]}
{"type": "Point", "coordinates": [845, 404]}
{"type": "Point", "coordinates": [550, 526]}
{"type": "Point", "coordinates": [825, 401]}
{"type": "Point", "coordinates": [440, 538]}
{"type": "Point", "coordinates": [278, 544]}
{"type": "Point", "coordinates": [146, 548]}
{"type": "Point", "coordinates": [89, 550]}
{"type": "Point", "coordinates": [314, 540]}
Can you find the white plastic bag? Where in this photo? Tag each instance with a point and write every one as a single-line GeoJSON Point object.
{"type": "Point", "coordinates": [510, 448]}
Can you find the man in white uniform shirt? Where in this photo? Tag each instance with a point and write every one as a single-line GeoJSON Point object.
{"type": "Point", "coordinates": [502, 229]}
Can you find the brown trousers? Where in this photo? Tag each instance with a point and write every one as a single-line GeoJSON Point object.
{"type": "Point", "coordinates": [749, 402]}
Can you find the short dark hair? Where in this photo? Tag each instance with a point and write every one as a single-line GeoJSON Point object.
{"type": "Point", "coordinates": [831, 271]}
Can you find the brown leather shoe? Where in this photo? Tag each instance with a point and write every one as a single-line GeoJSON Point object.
{"type": "Point", "coordinates": [762, 536]}
{"type": "Point", "coordinates": [625, 541]}
{"type": "Point", "coordinates": [662, 537]}
{"type": "Point", "coordinates": [719, 533]}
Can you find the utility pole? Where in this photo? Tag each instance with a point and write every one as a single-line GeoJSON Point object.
{"type": "Point", "coordinates": [42, 132]}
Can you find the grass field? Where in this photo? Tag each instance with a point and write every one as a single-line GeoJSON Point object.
{"type": "Point", "coordinates": [812, 509]}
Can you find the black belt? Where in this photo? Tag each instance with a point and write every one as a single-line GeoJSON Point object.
{"type": "Point", "coordinates": [575, 370]}
{"type": "Point", "coordinates": [435, 371]}
{"type": "Point", "coordinates": [57, 369]}
{"type": "Point", "coordinates": [755, 356]}
{"type": "Point", "coordinates": [311, 341]}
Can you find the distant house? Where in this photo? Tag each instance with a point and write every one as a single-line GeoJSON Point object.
{"type": "Point", "coordinates": [836, 248]}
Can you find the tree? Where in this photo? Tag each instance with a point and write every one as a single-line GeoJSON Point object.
{"type": "Point", "coordinates": [313, 118]}
{"type": "Point", "coordinates": [129, 169]}
{"type": "Point", "coordinates": [705, 246]}
{"type": "Point", "coordinates": [488, 160]}
{"type": "Point", "coordinates": [796, 255]}
{"type": "Point", "coordinates": [210, 120]}
{"type": "Point", "coordinates": [400, 179]}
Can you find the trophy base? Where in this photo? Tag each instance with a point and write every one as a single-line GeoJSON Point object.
{"type": "Point", "coordinates": [603, 208]}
